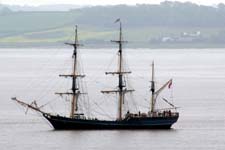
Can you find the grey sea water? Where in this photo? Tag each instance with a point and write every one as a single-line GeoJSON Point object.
{"type": "Point", "coordinates": [32, 74]}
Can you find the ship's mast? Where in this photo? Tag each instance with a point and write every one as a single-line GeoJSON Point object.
{"type": "Point", "coordinates": [120, 84]}
{"type": "Point", "coordinates": [75, 91]}
{"type": "Point", "coordinates": [152, 90]}
{"type": "Point", "coordinates": [122, 90]}
{"type": "Point", "coordinates": [155, 93]}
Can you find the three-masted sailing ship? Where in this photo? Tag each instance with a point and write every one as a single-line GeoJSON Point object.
{"type": "Point", "coordinates": [153, 119]}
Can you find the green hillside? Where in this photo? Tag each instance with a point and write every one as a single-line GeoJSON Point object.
{"type": "Point", "coordinates": [144, 25]}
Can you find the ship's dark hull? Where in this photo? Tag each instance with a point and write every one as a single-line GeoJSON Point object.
{"type": "Point", "coordinates": [64, 123]}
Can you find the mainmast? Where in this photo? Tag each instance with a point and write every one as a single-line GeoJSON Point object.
{"type": "Point", "coordinates": [152, 89]}
{"type": "Point", "coordinates": [75, 91]}
{"type": "Point", "coordinates": [122, 90]}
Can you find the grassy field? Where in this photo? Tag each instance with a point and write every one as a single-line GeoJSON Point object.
{"type": "Point", "coordinates": [66, 33]}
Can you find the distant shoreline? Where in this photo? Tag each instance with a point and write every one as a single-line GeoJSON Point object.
{"type": "Point", "coordinates": [129, 45]}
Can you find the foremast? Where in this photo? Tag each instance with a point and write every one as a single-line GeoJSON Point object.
{"type": "Point", "coordinates": [122, 90]}
{"type": "Point", "coordinates": [75, 91]}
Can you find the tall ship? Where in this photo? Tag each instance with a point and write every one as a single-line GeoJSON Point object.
{"type": "Point", "coordinates": [152, 119]}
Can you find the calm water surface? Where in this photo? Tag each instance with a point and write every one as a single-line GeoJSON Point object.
{"type": "Point", "coordinates": [198, 88]}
